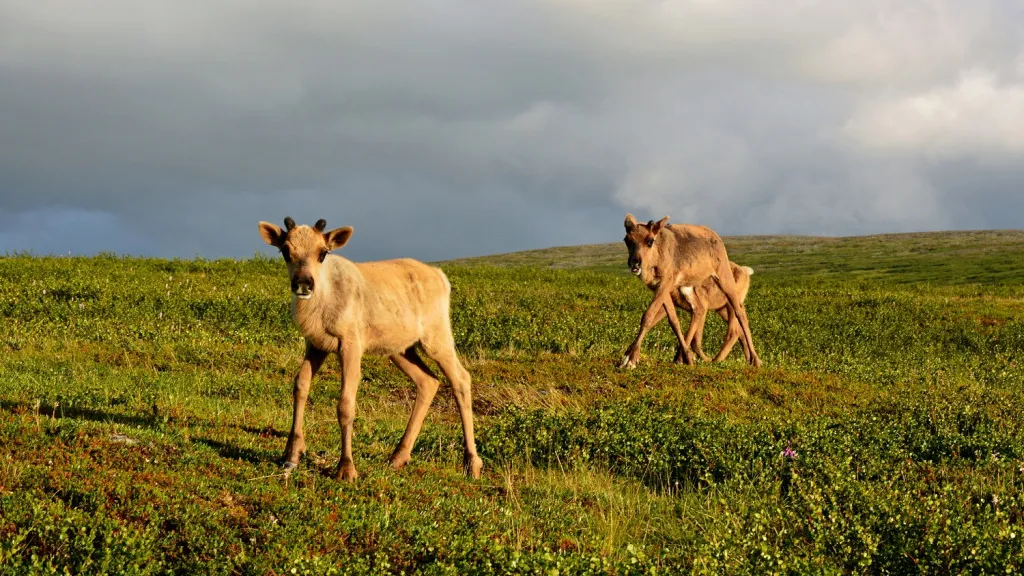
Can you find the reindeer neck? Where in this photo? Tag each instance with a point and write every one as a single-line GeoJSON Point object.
{"type": "Point", "coordinates": [308, 313]}
{"type": "Point", "coordinates": [316, 317]}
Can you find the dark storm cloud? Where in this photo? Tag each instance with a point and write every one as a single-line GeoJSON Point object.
{"type": "Point", "coordinates": [444, 129]}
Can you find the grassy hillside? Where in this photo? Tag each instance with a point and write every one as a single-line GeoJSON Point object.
{"type": "Point", "coordinates": [942, 257]}
{"type": "Point", "coordinates": [144, 402]}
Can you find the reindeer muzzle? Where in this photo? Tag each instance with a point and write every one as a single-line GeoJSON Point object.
{"type": "Point", "coordinates": [303, 288]}
{"type": "Point", "coordinates": [634, 267]}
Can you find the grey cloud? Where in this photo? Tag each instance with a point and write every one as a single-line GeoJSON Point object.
{"type": "Point", "coordinates": [449, 129]}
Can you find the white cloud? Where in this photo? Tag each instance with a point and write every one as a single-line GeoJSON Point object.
{"type": "Point", "coordinates": [881, 42]}
{"type": "Point", "coordinates": [975, 117]}
{"type": "Point", "coordinates": [694, 179]}
{"type": "Point", "coordinates": [536, 118]}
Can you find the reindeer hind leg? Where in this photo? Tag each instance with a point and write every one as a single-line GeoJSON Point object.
{"type": "Point", "coordinates": [732, 294]}
{"type": "Point", "coordinates": [732, 335]}
{"type": "Point", "coordinates": [426, 387]}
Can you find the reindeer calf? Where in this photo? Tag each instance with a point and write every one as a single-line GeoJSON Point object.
{"type": "Point", "coordinates": [385, 307]}
{"type": "Point", "coordinates": [708, 296]}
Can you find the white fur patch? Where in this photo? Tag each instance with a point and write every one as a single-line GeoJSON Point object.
{"type": "Point", "coordinates": [748, 270]}
{"type": "Point", "coordinates": [687, 292]}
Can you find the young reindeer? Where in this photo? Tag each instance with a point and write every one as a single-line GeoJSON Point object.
{"type": "Point", "coordinates": [672, 258]}
{"type": "Point", "coordinates": [385, 307]}
{"type": "Point", "coordinates": [710, 297]}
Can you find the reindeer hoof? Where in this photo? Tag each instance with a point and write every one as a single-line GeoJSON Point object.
{"type": "Point", "coordinates": [289, 467]}
{"type": "Point", "coordinates": [683, 359]}
{"type": "Point", "coordinates": [627, 362]}
{"type": "Point", "coordinates": [346, 472]}
{"type": "Point", "coordinates": [472, 467]}
{"type": "Point", "coordinates": [398, 462]}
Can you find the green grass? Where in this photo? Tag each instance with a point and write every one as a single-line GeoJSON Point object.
{"type": "Point", "coordinates": [983, 257]}
{"type": "Point", "coordinates": [143, 404]}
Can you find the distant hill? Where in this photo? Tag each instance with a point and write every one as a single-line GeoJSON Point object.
{"type": "Point", "coordinates": [944, 257]}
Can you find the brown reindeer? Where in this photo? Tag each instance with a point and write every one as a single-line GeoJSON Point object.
{"type": "Point", "coordinates": [710, 297]}
{"type": "Point", "coordinates": [668, 258]}
{"type": "Point", "coordinates": [385, 307]}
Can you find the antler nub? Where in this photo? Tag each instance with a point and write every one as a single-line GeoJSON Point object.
{"type": "Point", "coordinates": [288, 223]}
{"type": "Point", "coordinates": [320, 225]}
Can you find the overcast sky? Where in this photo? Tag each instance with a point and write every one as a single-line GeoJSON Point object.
{"type": "Point", "coordinates": [446, 128]}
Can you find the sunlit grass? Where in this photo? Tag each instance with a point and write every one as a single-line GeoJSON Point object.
{"type": "Point", "coordinates": [144, 403]}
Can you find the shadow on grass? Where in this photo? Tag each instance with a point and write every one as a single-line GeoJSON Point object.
{"type": "Point", "coordinates": [312, 464]}
{"type": "Point", "coordinates": [78, 413]}
{"type": "Point", "coordinates": [265, 432]}
{"type": "Point", "coordinates": [236, 453]}
{"type": "Point", "coordinates": [47, 411]}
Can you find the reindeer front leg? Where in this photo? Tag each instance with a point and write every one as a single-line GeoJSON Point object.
{"type": "Point", "coordinates": [698, 315]}
{"type": "Point", "coordinates": [697, 341]}
{"type": "Point", "coordinates": [655, 312]}
{"type": "Point", "coordinates": [296, 445]}
{"type": "Point", "coordinates": [351, 373]}
{"type": "Point", "coordinates": [673, 321]}
{"type": "Point", "coordinates": [660, 307]}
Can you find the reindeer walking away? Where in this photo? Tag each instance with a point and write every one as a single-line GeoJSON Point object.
{"type": "Point", "coordinates": [671, 258]}
{"type": "Point", "coordinates": [386, 307]}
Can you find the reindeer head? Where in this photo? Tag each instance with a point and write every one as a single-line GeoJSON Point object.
{"type": "Point", "coordinates": [641, 241]}
{"type": "Point", "coordinates": [304, 250]}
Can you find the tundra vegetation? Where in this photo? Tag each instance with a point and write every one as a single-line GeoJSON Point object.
{"type": "Point", "coordinates": [144, 404]}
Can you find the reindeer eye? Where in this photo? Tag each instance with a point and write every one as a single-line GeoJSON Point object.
{"type": "Point", "coordinates": [650, 242]}
{"type": "Point", "coordinates": [323, 254]}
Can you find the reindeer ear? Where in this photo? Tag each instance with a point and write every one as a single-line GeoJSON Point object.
{"type": "Point", "coordinates": [657, 226]}
{"type": "Point", "coordinates": [338, 237]}
{"type": "Point", "coordinates": [630, 222]}
{"type": "Point", "coordinates": [271, 234]}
